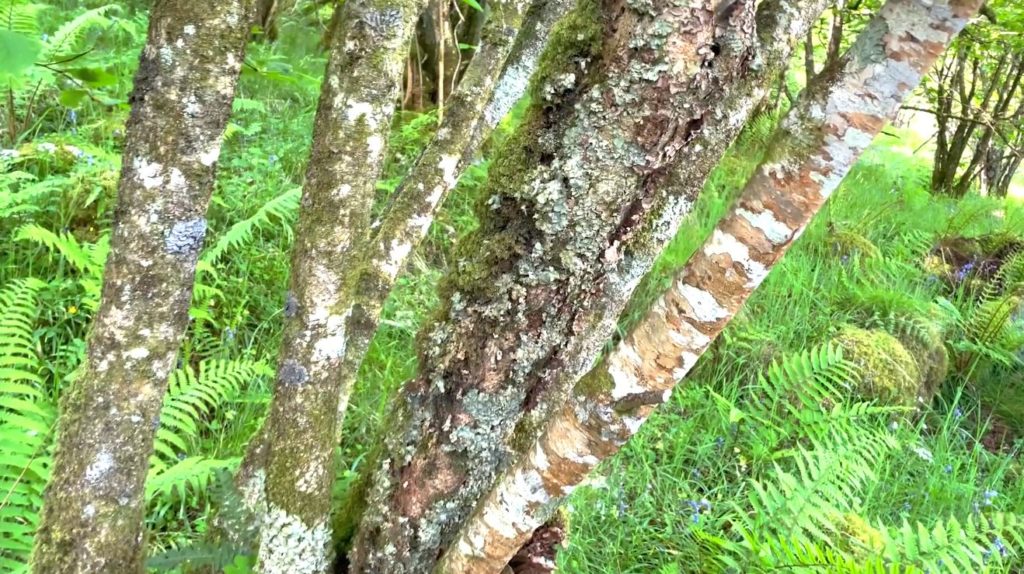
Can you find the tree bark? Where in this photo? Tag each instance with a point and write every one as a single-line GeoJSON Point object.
{"type": "Point", "coordinates": [579, 201]}
{"type": "Point", "coordinates": [835, 38]}
{"type": "Point", "coordinates": [357, 102]}
{"type": "Point", "coordinates": [817, 144]}
{"type": "Point", "coordinates": [370, 267]}
{"type": "Point", "coordinates": [408, 216]}
{"type": "Point", "coordinates": [809, 69]}
{"type": "Point", "coordinates": [92, 516]}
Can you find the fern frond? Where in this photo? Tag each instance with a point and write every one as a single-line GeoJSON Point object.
{"type": "Point", "coordinates": [27, 418]}
{"type": "Point", "coordinates": [283, 208]}
{"type": "Point", "coordinates": [193, 399]}
{"type": "Point", "coordinates": [20, 17]}
{"type": "Point", "coordinates": [194, 473]}
{"type": "Point", "coordinates": [68, 38]}
{"type": "Point", "coordinates": [88, 260]}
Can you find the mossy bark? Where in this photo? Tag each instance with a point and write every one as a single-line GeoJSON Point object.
{"type": "Point", "coordinates": [363, 269]}
{"type": "Point", "coordinates": [92, 515]}
{"type": "Point", "coordinates": [623, 98]}
{"type": "Point", "coordinates": [357, 102]}
{"type": "Point", "coordinates": [418, 197]}
{"type": "Point", "coordinates": [817, 144]}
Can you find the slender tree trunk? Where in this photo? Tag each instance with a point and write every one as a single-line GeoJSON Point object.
{"type": "Point", "coordinates": [357, 102]}
{"type": "Point", "coordinates": [835, 38]}
{"type": "Point", "coordinates": [372, 266]}
{"type": "Point", "coordinates": [809, 69]}
{"type": "Point", "coordinates": [818, 142]}
{"type": "Point", "coordinates": [415, 202]}
{"type": "Point", "coordinates": [578, 200]}
{"type": "Point", "coordinates": [92, 516]}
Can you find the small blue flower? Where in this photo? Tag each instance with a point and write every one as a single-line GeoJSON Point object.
{"type": "Point", "coordinates": [273, 159]}
{"type": "Point", "coordinates": [45, 37]}
{"type": "Point", "coordinates": [948, 469]}
{"type": "Point", "coordinates": [695, 473]}
{"type": "Point", "coordinates": [719, 442]}
{"type": "Point", "coordinates": [998, 545]}
{"type": "Point", "coordinates": [988, 495]}
{"type": "Point", "coordinates": [73, 117]}
{"type": "Point", "coordinates": [964, 271]}
{"type": "Point", "coordinates": [229, 334]}
{"type": "Point", "coordinates": [695, 518]}
{"type": "Point", "coordinates": [957, 413]}
{"type": "Point", "coordinates": [906, 507]}
{"type": "Point", "coordinates": [89, 159]}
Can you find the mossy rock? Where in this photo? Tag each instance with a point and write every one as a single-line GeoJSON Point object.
{"type": "Point", "coordinates": [927, 345]}
{"type": "Point", "coordinates": [889, 374]}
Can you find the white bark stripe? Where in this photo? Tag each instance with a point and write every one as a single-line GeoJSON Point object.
{"type": "Point", "coordinates": [774, 208]}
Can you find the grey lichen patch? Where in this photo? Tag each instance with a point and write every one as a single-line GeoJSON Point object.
{"type": "Point", "coordinates": [381, 20]}
{"type": "Point", "coordinates": [185, 237]}
{"type": "Point", "coordinates": [289, 546]}
{"type": "Point", "coordinates": [291, 305]}
{"type": "Point", "coordinates": [291, 373]}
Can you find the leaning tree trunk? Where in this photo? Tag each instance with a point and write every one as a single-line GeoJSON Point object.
{"type": "Point", "coordinates": [817, 143]}
{"type": "Point", "coordinates": [304, 417]}
{"type": "Point", "coordinates": [576, 202]}
{"type": "Point", "coordinates": [357, 103]}
{"type": "Point", "coordinates": [371, 266]}
{"type": "Point", "coordinates": [92, 516]}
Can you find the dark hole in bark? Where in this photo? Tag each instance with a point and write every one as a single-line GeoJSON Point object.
{"type": "Point", "coordinates": [538, 555]}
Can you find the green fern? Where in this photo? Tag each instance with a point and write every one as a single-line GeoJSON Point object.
{"type": "Point", "coordinates": [194, 399]}
{"type": "Point", "coordinates": [21, 17]}
{"type": "Point", "coordinates": [803, 512]}
{"type": "Point", "coordinates": [21, 195]}
{"type": "Point", "coordinates": [282, 208]}
{"type": "Point", "coordinates": [87, 259]}
{"type": "Point", "coordinates": [27, 417]}
{"type": "Point", "coordinates": [68, 39]}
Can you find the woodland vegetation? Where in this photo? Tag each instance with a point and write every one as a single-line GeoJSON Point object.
{"type": "Point", "coordinates": [511, 286]}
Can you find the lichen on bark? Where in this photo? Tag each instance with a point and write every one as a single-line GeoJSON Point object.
{"type": "Point", "coordinates": [621, 90]}
{"type": "Point", "coordinates": [357, 103]}
{"type": "Point", "coordinates": [815, 147]}
{"type": "Point", "coordinates": [92, 515]}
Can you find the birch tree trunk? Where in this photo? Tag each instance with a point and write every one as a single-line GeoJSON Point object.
{"type": "Point", "coordinates": [580, 200]}
{"type": "Point", "coordinates": [92, 516]}
{"type": "Point", "coordinates": [367, 269]}
{"type": "Point", "coordinates": [419, 195]}
{"type": "Point", "coordinates": [819, 141]}
{"type": "Point", "coordinates": [357, 102]}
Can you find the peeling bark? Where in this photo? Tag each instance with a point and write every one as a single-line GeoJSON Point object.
{"type": "Point", "coordinates": [92, 516]}
{"type": "Point", "coordinates": [817, 144]}
{"type": "Point", "coordinates": [357, 102]}
{"type": "Point", "coordinates": [576, 212]}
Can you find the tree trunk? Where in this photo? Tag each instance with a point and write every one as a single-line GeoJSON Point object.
{"type": "Point", "coordinates": [835, 38]}
{"type": "Point", "coordinates": [818, 142]}
{"type": "Point", "coordinates": [92, 516]}
{"type": "Point", "coordinates": [580, 200]}
{"type": "Point", "coordinates": [809, 68]}
{"type": "Point", "coordinates": [357, 102]}
{"type": "Point", "coordinates": [367, 285]}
